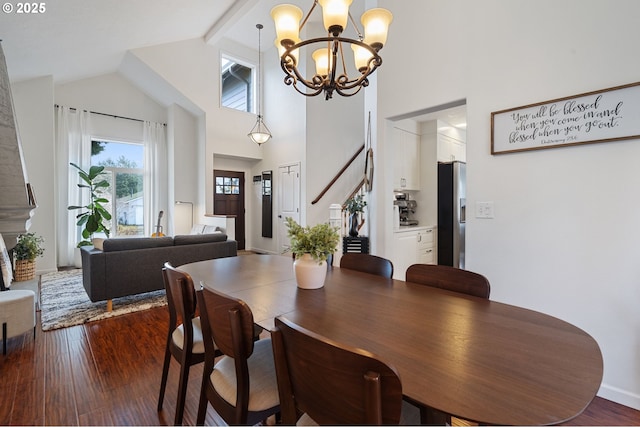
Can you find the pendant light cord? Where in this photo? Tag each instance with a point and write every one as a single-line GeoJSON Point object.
{"type": "Point", "coordinates": [259, 27]}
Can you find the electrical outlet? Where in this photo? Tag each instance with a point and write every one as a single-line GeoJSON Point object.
{"type": "Point", "coordinates": [484, 209]}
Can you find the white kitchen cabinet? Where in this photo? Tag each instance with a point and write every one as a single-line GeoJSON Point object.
{"type": "Point", "coordinates": [415, 245]}
{"type": "Point", "coordinates": [426, 246]}
{"type": "Point", "coordinates": [450, 149]}
{"type": "Point", "coordinates": [406, 167]}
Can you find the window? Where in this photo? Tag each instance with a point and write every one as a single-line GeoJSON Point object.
{"type": "Point", "coordinates": [123, 166]}
{"type": "Point", "coordinates": [237, 86]}
{"type": "Point", "coordinates": [227, 185]}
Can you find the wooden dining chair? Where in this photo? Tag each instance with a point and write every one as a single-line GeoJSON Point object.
{"type": "Point", "coordinates": [241, 385]}
{"type": "Point", "coordinates": [450, 278]}
{"type": "Point", "coordinates": [184, 338]}
{"type": "Point", "coordinates": [327, 383]}
{"type": "Point", "coordinates": [367, 263]}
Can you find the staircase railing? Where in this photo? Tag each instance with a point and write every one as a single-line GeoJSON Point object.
{"type": "Point", "coordinates": [338, 175]}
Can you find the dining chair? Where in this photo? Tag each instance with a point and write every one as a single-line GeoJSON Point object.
{"type": "Point", "coordinates": [367, 263]}
{"type": "Point", "coordinates": [450, 278]}
{"type": "Point", "coordinates": [184, 338]}
{"type": "Point", "coordinates": [241, 385]}
{"type": "Point", "coordinates": [323, 382]}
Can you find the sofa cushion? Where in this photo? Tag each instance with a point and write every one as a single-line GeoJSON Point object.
{"type": "Point", "coordinates": [211, 229]}
{"type": "Point", "coordinates": [191, 239]}
{"type": "Point", "coordinates": [129, 243]}
{"type": "Point", "coordinates": [197, 229]}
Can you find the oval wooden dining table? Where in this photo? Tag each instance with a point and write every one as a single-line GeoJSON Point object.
{"type": "Point", "coordinates": [472, 358]}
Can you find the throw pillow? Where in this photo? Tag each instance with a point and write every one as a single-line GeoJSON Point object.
{"type": "Point", "coordinates": [5, 264]}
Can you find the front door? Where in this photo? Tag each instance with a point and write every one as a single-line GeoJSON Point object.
{"type": "Point", "coordinates": [228, 199]}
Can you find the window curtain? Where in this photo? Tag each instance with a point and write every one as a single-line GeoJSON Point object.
{"type": "Point", "coordinates": [73, 144]}
{"type": "Point", "coordinates": [156, 183]}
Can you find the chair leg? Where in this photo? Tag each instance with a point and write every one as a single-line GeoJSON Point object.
{"type": "Point", "coordinates": [4, 338]}
{"type": "Point", "coordinates": [202, 406]}
{"type": "Point", "coordinates": [182, 391]}
{"type": "Point", "coordinates": [165, 375]}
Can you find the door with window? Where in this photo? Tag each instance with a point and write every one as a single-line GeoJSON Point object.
{"type": "Point", "coordinates": [123, 170]}
{"type": "Point", "coordinates": [228, 199]}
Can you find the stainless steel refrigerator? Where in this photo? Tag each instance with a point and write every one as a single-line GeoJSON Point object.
{"type": "Point", "coordinates": [451, 213]}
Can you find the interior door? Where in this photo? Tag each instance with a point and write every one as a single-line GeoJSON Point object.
{"type": "Point", "coordinates": [288, 200]}
{"type": "Point", "coordinates": [228, 199]}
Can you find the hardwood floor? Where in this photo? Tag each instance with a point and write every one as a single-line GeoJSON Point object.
{"type": "Point", "coordinates": [108, 373]}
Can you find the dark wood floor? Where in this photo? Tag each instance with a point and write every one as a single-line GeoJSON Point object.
{"type": "Point", "coordinates": [108, 373]}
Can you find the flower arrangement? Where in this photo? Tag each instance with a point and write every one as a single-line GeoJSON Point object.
{"type": "Point", "coordinates": [355, 204]}
{"type": "Point", "coordinates": [28, 248]}
{"type": "Point", "coordinates": [319, 241]}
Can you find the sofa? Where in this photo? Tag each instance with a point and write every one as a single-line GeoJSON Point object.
{"type": "Point", "coordinates": [127, 266]}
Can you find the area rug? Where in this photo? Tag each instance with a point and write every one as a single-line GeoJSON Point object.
{"type": "Point", "coordinates": [65, 303]}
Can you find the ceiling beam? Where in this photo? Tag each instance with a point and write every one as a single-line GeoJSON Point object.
{"type": "Point", "coordinates": [238, 9]}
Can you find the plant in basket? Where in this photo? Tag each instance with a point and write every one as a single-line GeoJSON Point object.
{"type": "Point", "coordinates": [29, 246]}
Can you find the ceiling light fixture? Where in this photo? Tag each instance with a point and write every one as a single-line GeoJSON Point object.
{"type": "Point", "coordinates": [260, 132]}
{"type": "Point", "coordinates": [335, 15]}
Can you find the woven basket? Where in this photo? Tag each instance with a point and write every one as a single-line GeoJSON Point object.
{"type": "Point", "coordinates": [25, 270]}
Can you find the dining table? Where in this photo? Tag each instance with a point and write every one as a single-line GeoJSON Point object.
{"type": "Point", "coordinates": [473, 358]}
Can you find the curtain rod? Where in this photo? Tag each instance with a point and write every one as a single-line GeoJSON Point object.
{"type": "Point", "coordinates": [108, 115]}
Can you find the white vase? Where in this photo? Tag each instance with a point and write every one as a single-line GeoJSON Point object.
{"type": "Point", "coordinates": [309, 274]}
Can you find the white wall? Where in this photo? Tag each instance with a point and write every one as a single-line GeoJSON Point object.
{"type": "Point", "coordinates": [33, 101]}
{"type": "Point", "coordinates": [184, 160]}
{"type": "Point", "coordinates": [564, 236]}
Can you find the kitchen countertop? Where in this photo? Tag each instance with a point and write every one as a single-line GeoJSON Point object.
{"type": "Point", "coordinates": [418, 227]}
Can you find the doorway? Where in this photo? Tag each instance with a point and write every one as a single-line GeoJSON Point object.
{"type": "Point", "coordinates": [288, 200]}
{"type": "Point", "coordinates": [228, 199]}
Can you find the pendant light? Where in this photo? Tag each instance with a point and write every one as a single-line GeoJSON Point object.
{"type": "Point", "coordinates": [260, 132]}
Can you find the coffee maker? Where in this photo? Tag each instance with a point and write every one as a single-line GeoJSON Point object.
{"type": "Point", "coordinates": [406, 209]}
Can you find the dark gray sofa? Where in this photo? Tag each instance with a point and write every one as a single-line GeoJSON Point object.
{"type": "Point", "coordinates": [129, 266]}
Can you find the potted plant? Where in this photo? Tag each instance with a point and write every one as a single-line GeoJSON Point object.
{"type": "Point", "coordinates": [27, 249]}
{"type": "Point", "coordinates": [355, 205]}
{"type": "Point", "coordinates": [311, 247]}
{"type": "Point", "coordinates": [95, 215]}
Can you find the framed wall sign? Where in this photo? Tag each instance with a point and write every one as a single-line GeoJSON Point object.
{"type": "Point", "coordinates": [601, 116]}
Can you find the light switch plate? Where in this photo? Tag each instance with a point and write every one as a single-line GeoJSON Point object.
{"type": "Point", "coordinates": [484, 210]}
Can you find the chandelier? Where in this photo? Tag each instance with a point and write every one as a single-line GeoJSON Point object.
{"type": "Point", "coordinates": [330, 66]}
{"type": "Point", "coordinates": [260, 132]}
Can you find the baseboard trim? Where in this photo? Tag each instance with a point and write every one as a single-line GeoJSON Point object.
{"type": "Point", "coordinates": [620, 396]}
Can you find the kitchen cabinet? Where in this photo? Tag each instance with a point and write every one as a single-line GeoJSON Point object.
{"type": "Point", "coordinates": [451, 149]}
{"type": "Point", "coordinates": [413, 245]}
{"type": "Point", "coordinates": [426, 246]}
{"type": "Point", "coordinates": [406, 168]}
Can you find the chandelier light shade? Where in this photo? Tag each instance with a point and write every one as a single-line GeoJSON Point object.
{"type": "Point", "coordinates": [260, 132]}
{"type": "Point", "coordinates": [328, 52]}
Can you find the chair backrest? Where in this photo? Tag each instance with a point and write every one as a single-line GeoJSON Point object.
{"type": "Point", "coordinates": [229, 321]}
{"type": "Point", "coordinates": [450, 278]}
{"type": "Point", "coordinates": [367, 263]}
{"type": "Point", "coordinates": [181, 299]}
{"type": "Point", "coordinates": [330, 382]}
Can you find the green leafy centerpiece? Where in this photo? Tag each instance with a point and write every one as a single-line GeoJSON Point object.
{"type": "Point", "coordinates": [311, 247]}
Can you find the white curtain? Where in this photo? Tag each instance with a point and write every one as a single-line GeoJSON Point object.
{"type": "Point", "coordinates": [73, 144]}
{"type": "Point", "coordinates": [156, 181]}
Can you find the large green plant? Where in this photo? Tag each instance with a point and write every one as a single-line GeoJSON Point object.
{"type": "Point", "coordinates": [95, 215]}
{"type": "Point", "coordinates": [319, 241]}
